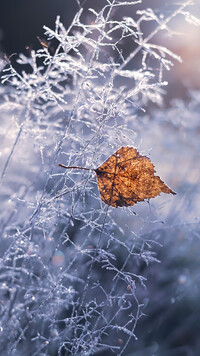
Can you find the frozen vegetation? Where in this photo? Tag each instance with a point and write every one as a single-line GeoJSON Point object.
{"type": "Point", "coordinates": [78, 277]}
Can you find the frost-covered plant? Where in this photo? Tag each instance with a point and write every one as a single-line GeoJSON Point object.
{"type": "Point", "coordinates": [72, 280]}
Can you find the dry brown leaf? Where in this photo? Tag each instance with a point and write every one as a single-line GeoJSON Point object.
{"type": "Point", "coordinates": [126, 178]}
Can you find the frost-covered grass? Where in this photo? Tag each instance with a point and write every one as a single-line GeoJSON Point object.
{"type": "Point", "coordinates": [74, 272]}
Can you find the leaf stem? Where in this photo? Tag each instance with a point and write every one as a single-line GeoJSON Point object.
{"type": "Point", "coordinates": [75, 167]}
